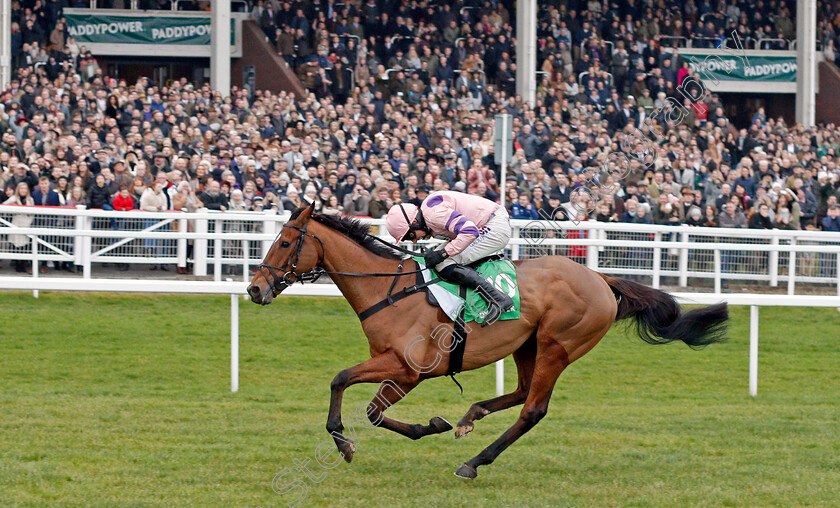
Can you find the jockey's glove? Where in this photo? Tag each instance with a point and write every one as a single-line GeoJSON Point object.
{"type": "Point", "coordinates": [434, 257]}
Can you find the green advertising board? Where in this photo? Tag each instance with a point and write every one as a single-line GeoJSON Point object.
{"type": "Point", "coordinates": [113, 29]}
{"type": "Point", "coordinates": [733, 66]}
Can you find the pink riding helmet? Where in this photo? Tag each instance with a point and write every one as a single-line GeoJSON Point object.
{"type": "Point", "coordinates": [400, 218]}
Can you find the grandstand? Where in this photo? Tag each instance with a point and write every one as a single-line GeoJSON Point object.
{"type": "Point", "coordinates": [361, 105]}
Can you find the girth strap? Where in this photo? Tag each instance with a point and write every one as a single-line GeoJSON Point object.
{"type": "Point", "coordinates": [459, 334]}
{"type": "Point", "coordinates": [395, 297]}
{"type": "Point", "coordinates": [459, 338]}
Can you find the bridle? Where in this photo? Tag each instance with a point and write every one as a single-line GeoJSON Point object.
{"type": "Point", "coordinates": [280, 282]}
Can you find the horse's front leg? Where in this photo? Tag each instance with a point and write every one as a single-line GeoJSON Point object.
{"type": "Point", "coordinates": [386, 366]}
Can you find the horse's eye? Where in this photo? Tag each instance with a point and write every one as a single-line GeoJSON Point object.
{"type": "Point", "coordinates": [284, 244]}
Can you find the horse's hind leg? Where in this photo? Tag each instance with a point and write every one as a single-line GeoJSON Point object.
{"type": "Point", "coordinates": [524, 357]}
{"type": "Point", "coordinates": [552, 358]}
{"type": "Point", "coordinates": [389, 394]}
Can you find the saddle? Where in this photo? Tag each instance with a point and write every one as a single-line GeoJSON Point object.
{"type": "Point", "coordinates": [474, 265]}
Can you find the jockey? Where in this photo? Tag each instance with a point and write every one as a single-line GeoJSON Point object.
{"type": "Point", "coordinates": [476, 227]}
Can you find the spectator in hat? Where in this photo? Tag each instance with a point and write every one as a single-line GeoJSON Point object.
{"type": "Point", "coordinates": [686, 203]}
{"type": "Point", "coordinates": [160, 165]}
{"type": "Point", "coordinates": [117, 175]}
{"type": "Point", "coordinates": [292, 201]}
{"type": "Point", "coordinates": [421, 194]}
{"type": "Point", "coordinates": [23, 174]}
{"type": "Point", "coordinates": [554, 210]}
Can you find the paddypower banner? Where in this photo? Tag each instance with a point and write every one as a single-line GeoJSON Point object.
{"type": "Point", "coordinates": [717, 65]}
{"type": "Point", "coordinates": [104, 29]}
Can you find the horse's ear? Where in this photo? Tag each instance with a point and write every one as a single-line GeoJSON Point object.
{"type": "Point", "coordinates": [307, 212]}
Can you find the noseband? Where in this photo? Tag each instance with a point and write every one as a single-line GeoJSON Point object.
{"type": "Point", "coordinates": [278, 282]}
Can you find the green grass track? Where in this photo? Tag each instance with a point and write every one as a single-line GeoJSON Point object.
{"type": "Point", "coordinates": [123, 400]}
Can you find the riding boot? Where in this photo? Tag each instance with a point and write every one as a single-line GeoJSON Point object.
{"type": "Point", "coordinates": [497, 302]}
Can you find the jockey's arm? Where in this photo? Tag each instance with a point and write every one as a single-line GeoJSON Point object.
{"type": "Point", "coordinates": [465, 232]}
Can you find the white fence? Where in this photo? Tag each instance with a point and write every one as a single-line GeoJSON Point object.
{"type": "Point", "coordinates": [235, 289]}
{"type": "Point", "coordinates": [215, 241]}
{"type": "Point", "coordinates": [218, 242]}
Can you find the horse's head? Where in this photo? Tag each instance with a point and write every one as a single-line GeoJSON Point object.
{"type": "Point", "coordinates": [292, 254]}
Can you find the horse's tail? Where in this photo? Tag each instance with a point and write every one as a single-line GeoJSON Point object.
{"type": "Point", "coordinates": [659, 319]}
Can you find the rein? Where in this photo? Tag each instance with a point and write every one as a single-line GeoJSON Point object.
{"type": "Point", "coordinates": [281, 282]}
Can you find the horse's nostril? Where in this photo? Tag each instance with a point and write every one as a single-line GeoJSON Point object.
{"type": "Point", "coordinates": [253, 290]}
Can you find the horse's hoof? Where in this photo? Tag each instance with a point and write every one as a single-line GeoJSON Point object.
{"type": "Point", "coordinates": [439, 425]}
{"type": "Point", "coordinates": [346, 449]}
{"type": "Point", "coordinates": [466, 471]}
{"type": "Point", "coordinates": [463, 430]}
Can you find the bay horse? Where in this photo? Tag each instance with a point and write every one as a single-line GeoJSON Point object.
{"type": "Point", "coordinates": [566, 308]}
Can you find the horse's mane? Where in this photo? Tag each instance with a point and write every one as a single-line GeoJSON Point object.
{"type": "Point", "coordinates": [353, 229]}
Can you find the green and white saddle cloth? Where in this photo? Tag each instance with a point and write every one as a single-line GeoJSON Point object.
{"type": "Point", "coordinates": [453, 298]}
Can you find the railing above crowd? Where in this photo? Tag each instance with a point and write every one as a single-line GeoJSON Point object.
{"type": "Point", "coordinates": [219, 244]}
{"type": "Point", "coordinates": [175, 5]}
{"type": "Point", "coordinates": [764, 43]}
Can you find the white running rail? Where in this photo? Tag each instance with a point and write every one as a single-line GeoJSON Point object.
{"type": "Point", "coordinates": [237, 289]}
{"type": "Point", "coordinates": [212, 242]}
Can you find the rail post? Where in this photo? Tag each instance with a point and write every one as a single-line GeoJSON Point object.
{"type": "Point", "coordinates": [78, 240]}
{"type": "Point", "coordinates": [217, 251]}
{"type": "Point", "coordinates": [200, 249]}
{"type": "Point", "coordinates": [182, 244]}
{"type": "Point", "coordinates": [514, 250]}
{"type": "Point", "coordinates": [684, 260]}
{"type": "Point", "coordinates": [753, 350]}
{"type": "Point", "coordinates": [657, 259]}
{"type": "Point", "coordinates": [87, 249]}
{"type": "Point", "coordinates": [246, 260]}
{"type": "Point", "coordinates": [35, 266]}
{"type": "Point", "coordinates": [234, 341]}
{"type": "Point", "coordinates": [773, 265]}
{"type": "Point", "coordinates": [591, 250]}
{"type": "Point", "coordinates": [791, 289]}
{"type": "Point", "coordinates": [500, 378]}
{"type": "Point", "coordinates": [269, 226]}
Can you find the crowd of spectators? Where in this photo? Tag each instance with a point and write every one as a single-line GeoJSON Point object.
{"type": "Point", "coordinates": [361, 141]}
